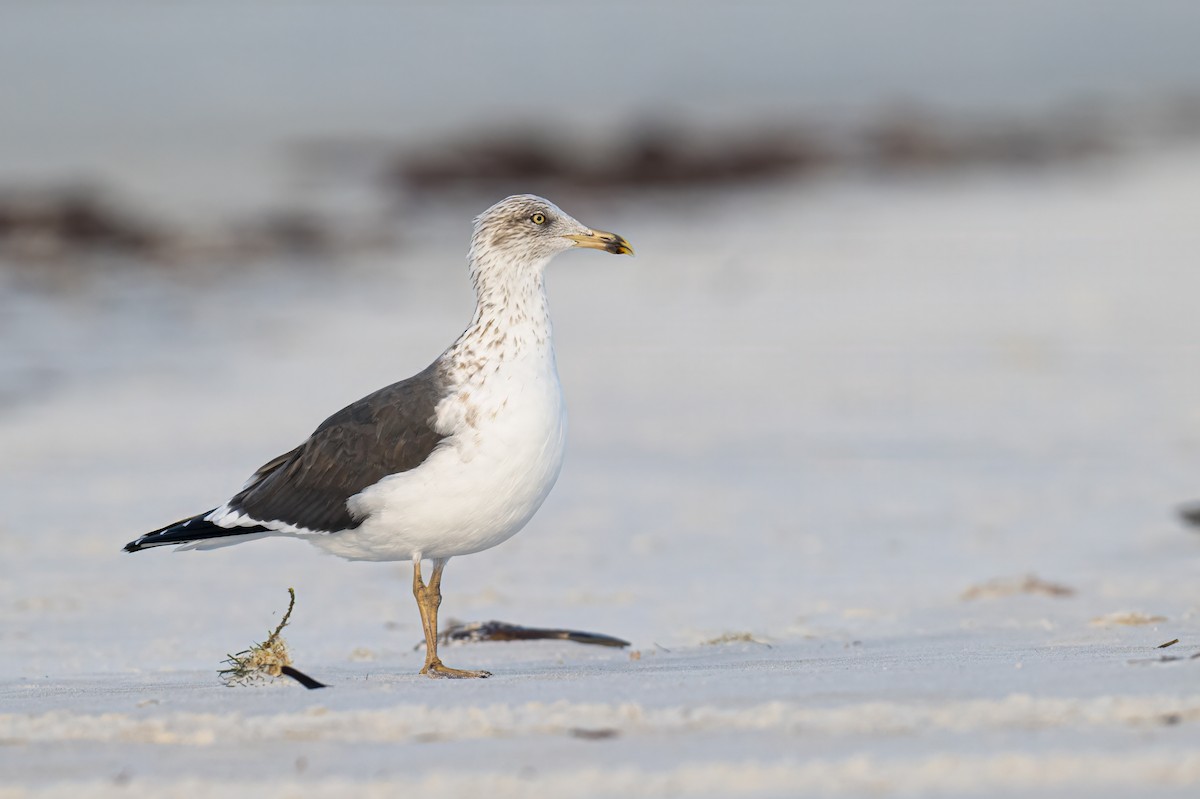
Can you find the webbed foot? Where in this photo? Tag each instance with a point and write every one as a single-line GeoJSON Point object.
{"type": "Point", "coordinates": [439, 669]}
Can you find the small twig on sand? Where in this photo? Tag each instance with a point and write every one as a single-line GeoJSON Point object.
{"type": "Point", "coordinates": [503, 631]}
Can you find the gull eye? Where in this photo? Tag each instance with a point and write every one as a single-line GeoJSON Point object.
{"type": "Point", "coordinates": [538, 219]}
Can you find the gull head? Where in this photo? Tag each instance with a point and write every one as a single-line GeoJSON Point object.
{"type": "Point", "coordinates": [525, 228]}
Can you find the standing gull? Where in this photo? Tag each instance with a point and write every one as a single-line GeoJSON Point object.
{"type": "Point", "coordinates": [453, 460]}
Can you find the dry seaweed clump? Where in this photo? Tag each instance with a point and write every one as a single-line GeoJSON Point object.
{"type": "Point", "coordinates": [734, 638]}
{"type": "Point", "coordinates": [1003, 587]}
{"type": "Point", "coordinates": [1127, 619]}
{"type": "Point", "coordinates": [266, 660]}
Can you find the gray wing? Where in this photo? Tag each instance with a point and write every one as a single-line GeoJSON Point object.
{"type": "Point", "coordinates": [384, 433]}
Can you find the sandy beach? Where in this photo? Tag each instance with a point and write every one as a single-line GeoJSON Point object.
{"type": "Point", "coordinates": [878, 473]}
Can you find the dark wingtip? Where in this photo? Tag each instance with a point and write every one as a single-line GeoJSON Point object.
{"type": "Point", "coordinates": [184, 531]}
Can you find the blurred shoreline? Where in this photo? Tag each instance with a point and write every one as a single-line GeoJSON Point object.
{"type": "Point", "coordinates": [359, 195]}
{"type": "Point", "coordinates": [184, 135]}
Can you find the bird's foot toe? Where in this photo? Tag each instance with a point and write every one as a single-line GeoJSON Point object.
{"type": "Point", "coordinates": [438, 669]}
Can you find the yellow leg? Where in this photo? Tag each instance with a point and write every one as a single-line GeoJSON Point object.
{"type": "Point", "coordinates": [429, 597]}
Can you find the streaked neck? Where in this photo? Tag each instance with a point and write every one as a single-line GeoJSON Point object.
{"type": "Point", "coordinates": [512, 315]}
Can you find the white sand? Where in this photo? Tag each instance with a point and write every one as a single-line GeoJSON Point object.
{"type": "Point", "coordinates": [805, 421]}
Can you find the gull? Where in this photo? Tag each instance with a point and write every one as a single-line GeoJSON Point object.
{"type": "Point", "coordinates": [451, 461]}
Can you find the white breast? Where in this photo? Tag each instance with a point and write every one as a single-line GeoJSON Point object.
{"type": "Point", "coordinates": [506, 430]}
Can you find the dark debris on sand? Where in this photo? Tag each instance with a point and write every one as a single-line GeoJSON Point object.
{"type": "Point", "coordinates": [68, 225]}
{"type": "Point", "coordinates": [504, 631]}
{"type": "Point", "coordinates": [660, 155]}
{"type": "Point", "coordinates": [56, 223]}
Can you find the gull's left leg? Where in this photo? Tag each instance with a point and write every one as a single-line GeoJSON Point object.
{"type": "Point", "coordinates": [429, 597]}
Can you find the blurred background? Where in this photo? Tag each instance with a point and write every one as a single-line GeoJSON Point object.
{"type": "Point", "coordinates": [913, 310]}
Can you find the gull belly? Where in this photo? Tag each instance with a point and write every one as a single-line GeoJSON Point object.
{"type": "Point", "coordinates": [479, 487]}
